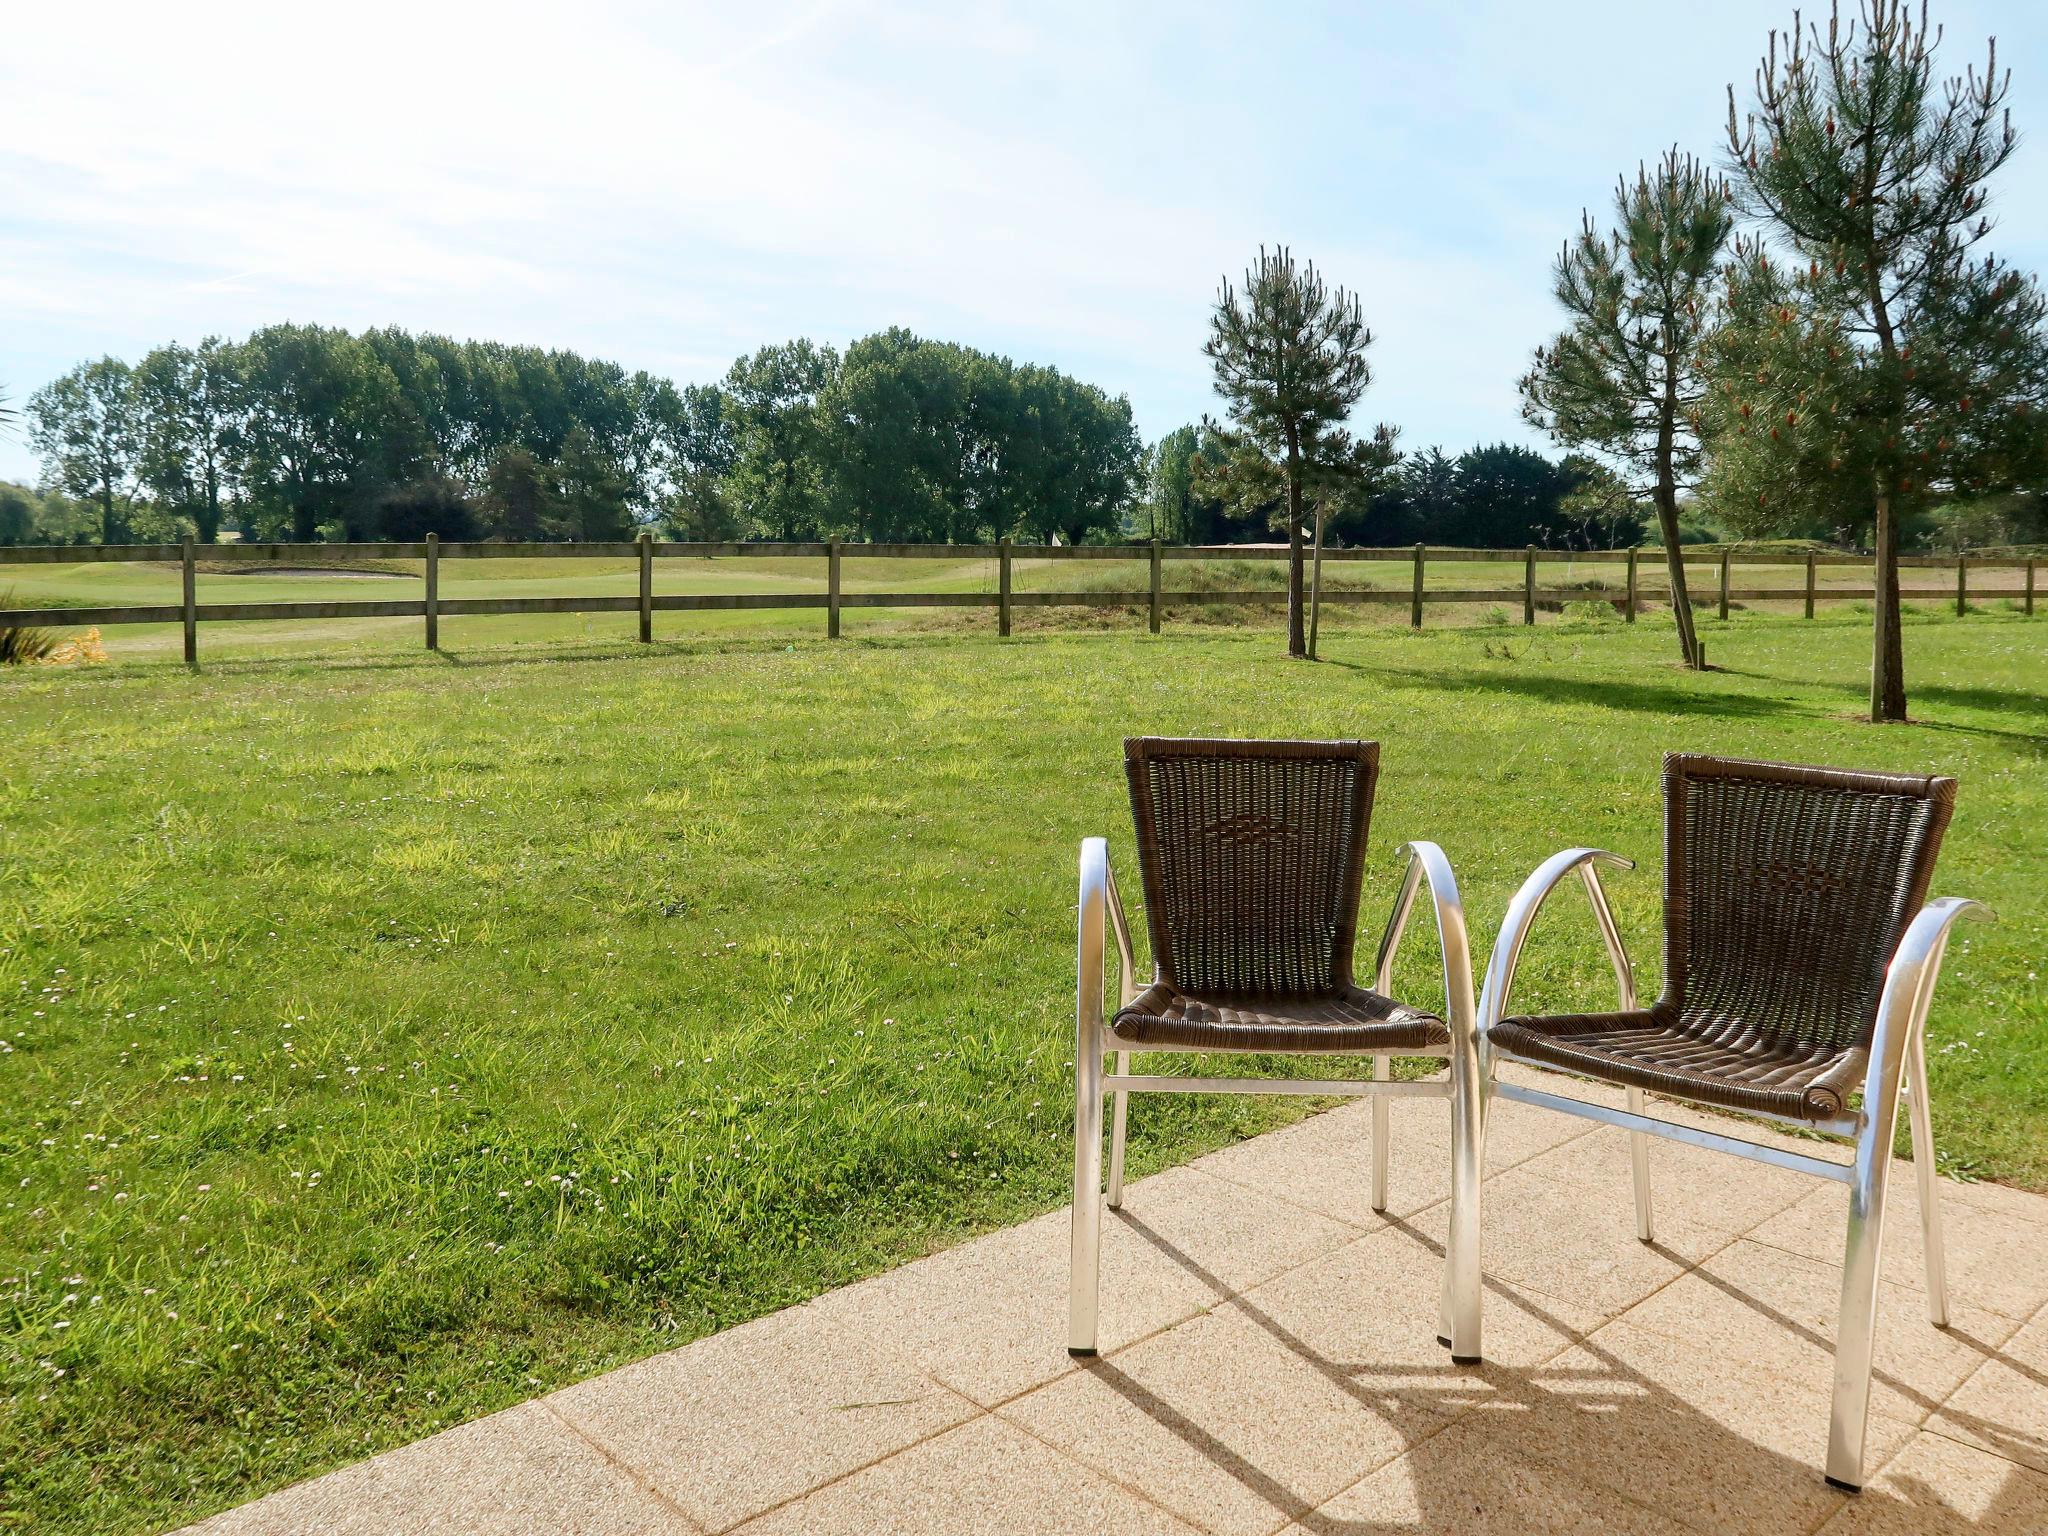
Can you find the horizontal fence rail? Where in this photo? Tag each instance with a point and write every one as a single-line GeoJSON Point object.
{"type": "Point", "coordinates": [1628, 596]}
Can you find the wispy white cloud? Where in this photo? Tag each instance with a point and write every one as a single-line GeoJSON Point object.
{"type": "Point", "coordinates": [674, 186]}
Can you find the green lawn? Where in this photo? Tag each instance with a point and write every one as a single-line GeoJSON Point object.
{"type": "Point", "coordinates": [386, 1038]}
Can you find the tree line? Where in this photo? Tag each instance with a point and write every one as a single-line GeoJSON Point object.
{"type": "Point", "coordinates": [1491, 496]}
{"type": "Point", "coordinates": [304, 432]}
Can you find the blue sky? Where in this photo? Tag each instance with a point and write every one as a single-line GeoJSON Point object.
{"type": "Point", "coordinates": [671, 186]}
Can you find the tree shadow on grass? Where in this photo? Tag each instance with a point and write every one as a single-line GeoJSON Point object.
{"type": "Point", "coordinates": [1601, 693]}
{"type": "Point", "coordinates": [2004, 701]}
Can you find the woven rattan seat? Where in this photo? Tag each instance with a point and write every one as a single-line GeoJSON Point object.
{"type": "Point", "coordinates": [1724, 1062]}
{"type": "Point", "coordinates": [1352, 1020]}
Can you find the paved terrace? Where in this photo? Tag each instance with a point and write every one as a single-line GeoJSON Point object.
{"type": "Point", "coordinates": [1270, 1366]}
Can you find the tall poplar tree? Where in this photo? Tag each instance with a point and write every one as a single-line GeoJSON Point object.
{"type": "Point", "coordinates": [86, 428]}
{"type": "Point", "coordinates": [1289, 355]}
{"type": "Point", "coordinates": [1869, 359]}
{"type": "Point", "coordinates": [1624, 378]}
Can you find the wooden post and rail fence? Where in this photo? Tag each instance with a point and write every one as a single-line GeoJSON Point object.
{"type": "Point", "coordinates": [431, 606]}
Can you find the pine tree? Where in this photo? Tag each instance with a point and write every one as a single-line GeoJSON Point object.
{"type": "Point", "coordinates": [1625, 378]}
{"type": "Point", "coordinates": [1876, 361]}
{"type": "Point", "coordinates": [1289, 354]}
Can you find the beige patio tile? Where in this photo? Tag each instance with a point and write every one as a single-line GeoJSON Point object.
{"type": "Point", "coordinates": [1230, 1425]}
{"type": "Point", "coordinates": [1545, 1235]}
{"type": "Point", "coordinates": [1325, 1163]}
{"type": "Point", "coordinates": [511, 1474]}
{"type": "Point", "coordinates": [2004, 1407]}
{"type": "Point", "coordinates": [1776, 1311]}
{"type": "Point", "coordinates": [1233, 1236]}
{"type": "Point", "coordinates": [747, 1419]}
{"type": "Point", "coordinates": [984, 1476]}
{"type": "Point", "coordinates": [1709, 1442]}
{"type": "Point", "coordinates": [1461, 1484]}
{"type": "Point", "coordinates": [1995, 1261]}
{"type": "Point", "coordinates": [1935, 1487]}
{"type": "Point", "coordinates": [1370, 1312]}
{"type": "Point", "coordinates": [1730, 1194]}
{"type": "Point", "coordinates": [989, 1319]}
{"type": "Point", "coordinates": [2023, 1204]}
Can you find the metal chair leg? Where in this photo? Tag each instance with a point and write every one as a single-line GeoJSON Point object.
{"type": "Point", "coordinates": [1856, 1328]}
{"type": "Point", "coordinates": [1085, 1275]}
{"type": "Point", "coordinates": [1086, 1278]}
{"type": "Point", "coordinates": [1639, 1158]}
{"type": "Point", "coordinates": [1118, 1116]}
{"type": "Point", "coordinates": [1462, 1270]}
{"type": "Point", "coordinates": [1920, 1114]}
{"type": "Point", "coordinates": [1382, 1069]}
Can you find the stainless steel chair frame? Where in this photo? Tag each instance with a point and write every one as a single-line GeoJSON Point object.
{"type": "Point", "coordinates": [1102, 912]}
{"type": "Point", "coordinates": [1898, 1065]}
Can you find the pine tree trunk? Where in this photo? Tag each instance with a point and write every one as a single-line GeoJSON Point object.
{"type": "Point", "coordinates": [1297, 637]}
{"type": "Point", "coordinates": [1674, 565]}
{"type": "Point", "coordinates": [1667, 516]}
{"type": "Point", "coordinates": [1887, 656]}
{"type": "Point", "coordinates": [1315, 591]}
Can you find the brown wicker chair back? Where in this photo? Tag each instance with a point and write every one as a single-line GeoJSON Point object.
{"type": "Point", "coordinates": [1786, 890]}
{"type": "Point", "coordinates": [1252, 853]}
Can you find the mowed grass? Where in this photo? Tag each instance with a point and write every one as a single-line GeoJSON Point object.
{"type": "Point", "coordinates": [389, 1038]}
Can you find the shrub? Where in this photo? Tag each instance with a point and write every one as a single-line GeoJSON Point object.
{"type": "Point", "coordinates": [20, 645]}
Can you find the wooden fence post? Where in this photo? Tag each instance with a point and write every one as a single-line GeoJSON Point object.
{"type": "Point", "coordinates": [832, 590]}
{"type": "Point", "coordinates": [1155, 586]}
{"type": "Point", "coordinates": [433, 592]}
{"type": "Point", "coordinates": [1962, 585]}
{"type": "Point", "coordinates": [1809, 583]}
{"type": "Point", "coordinates": [191, 602]}
{"type": "Point", "coordinates": [646, 587]}
{"type": "Point", "coordinates": [1631, 585]}
{"type": "Point", "coordinates": [1003, 586]}
{"type": "Point", "coordinates": [1529, 585]}
{"type": "Point", "coordinates": [1415, 604]}
{"type": "Point", "coordinates": [2030, 590]}
{"type": "Point", "coordinates": [1724, 584]}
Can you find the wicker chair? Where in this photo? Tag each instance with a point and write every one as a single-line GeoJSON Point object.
{"type": "Point", "coordinates": [1252, 854]}
{"type": "Point", "coordinates": [1800, 952]}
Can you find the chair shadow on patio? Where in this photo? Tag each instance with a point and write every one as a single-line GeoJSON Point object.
{"type": "Point", "coordinates": [1614, 1431]}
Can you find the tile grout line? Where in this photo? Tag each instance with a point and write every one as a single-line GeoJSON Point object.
{"type": "Point", "coordinates": [837, 1478]}
{"type": "Point", "coordinates": [1984, 1364]}
{"type": "Point", "coordinates": [1112, 1478]}
{"type": "Point", "coordinates": [632, 1474]}
{"type": "Point", "coordinates": [1971, 1445]}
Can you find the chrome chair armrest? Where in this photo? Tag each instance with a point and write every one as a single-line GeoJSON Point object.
{"type": "Point", "coordinates": [1101, 908]}
{"type": "Point", "coordinates": [1426, 861]}
{"type": "Point", "coordinates": [1909, 989]}
{"type": "Point", "coordinates": [1521, 916]}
